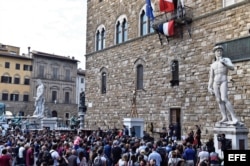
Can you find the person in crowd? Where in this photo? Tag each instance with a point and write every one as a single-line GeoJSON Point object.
{"type": "Point", "coordinates": [55, 155]}
{"type": "Point", "coordinates": [30, 158]}
{"type": "Point", "coordinates": [5, 160]}
{"type": "Point", "coordinates": [156, 156]}
{"type": "Point", "coordinates": [100, 159]}
{"type": "Point", "coordinates": [214, 159]}
{"type": "Point", "coordinates": [189, 155]}
{"type": "Point", "coordinates": [203, 155]}
{"type": "Point", "coordinates": [20, 157]}
{"type": "Point", "coordinates": [143, 162]}
{"type": "Point", "coordinates": [152, 162]}
{"type": "Point", "coordinates": [210, 144]}
{"type": "Point", "coordinates": [124, 160]}
{"type": "Point", "coordinates": [197, 136]}
{"type": "Point", "coordinates": [82, 159]}
{"type": "Point", "coordinates": [125, 130]}
{"type": "Point", "coordinates": [43, 156]}
{"type": "Point", "coordinates": [73, 158]}
{"type": "Point", "coordinates": [116, 152]}
{"type": "Point", "coordinates": [174, 160]}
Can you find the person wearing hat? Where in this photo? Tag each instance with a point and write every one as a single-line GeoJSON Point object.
{"type": "Point", "coordinates": [217, 84]}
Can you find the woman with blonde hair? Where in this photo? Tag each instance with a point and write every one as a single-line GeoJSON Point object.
{"type": "Point", "coordinates": [124, 160]}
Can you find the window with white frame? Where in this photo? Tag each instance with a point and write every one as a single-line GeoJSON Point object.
{"type": "Point", "coordinates": [230, 2]}
{"type": "Point", "coordinates": [121, 30]}
{"type": "Point", "coordinates": [100, 38]}
{"type": "Point", "coordinates": [145, 23]}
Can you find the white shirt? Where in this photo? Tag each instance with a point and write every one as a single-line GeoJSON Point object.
{"type": "Point", "coordinates": [20, 152]}
{"type": "Point", "coordinates": [55, 156]}
{"type": "Point", "coordinates": [203, 155]}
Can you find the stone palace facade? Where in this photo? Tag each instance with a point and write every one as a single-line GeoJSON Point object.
{"type": "Point", "coordinates": [124, 54]}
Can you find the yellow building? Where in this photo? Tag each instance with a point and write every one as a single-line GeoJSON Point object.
{"type": "Point", "coordinates": [15, 71]}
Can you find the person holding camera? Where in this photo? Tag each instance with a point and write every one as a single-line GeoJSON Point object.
{"type": "Point", "coordinates": [225, 143]}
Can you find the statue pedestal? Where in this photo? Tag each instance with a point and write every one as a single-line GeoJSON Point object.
{"type": "Point", "coordinates": [32, 122]}
{"type": "Point", "coordinates": [137, 123]}
{"type": "Point", "coordinates": [236, 133]}
{"type": "Point", "coordinates": [52, 123]}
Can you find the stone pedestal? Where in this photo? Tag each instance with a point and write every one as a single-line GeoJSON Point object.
{"type": "Point", "coordinates": [236, 133]}
{"type": "Point", "coordinates": [137, 123]}
{"type": "Point", "coordinates": [51, 123]}
{"type": "Point", "coordinates": [81, 115]}
{"type": "Point", "coordinates": [31, 122]}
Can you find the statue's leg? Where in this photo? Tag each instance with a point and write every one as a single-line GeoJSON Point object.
{"type": "Point", "coordinates": [223, 112]}
{"type": "Point", "coordinates": [220, 102]}
{"type": "Point", "coordinates": [228, 105]}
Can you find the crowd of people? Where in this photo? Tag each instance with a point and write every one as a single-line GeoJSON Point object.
{"type": "Point", "coordinates": [99, 148]}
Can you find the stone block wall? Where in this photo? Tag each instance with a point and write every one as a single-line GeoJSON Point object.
{"type": "Point", "coordinates": [211, 25]}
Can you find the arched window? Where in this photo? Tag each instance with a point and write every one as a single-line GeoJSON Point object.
{"type": "Point", "coordinates": [98, 41]}
{"type": "Point", "coordinates": [118, 33]}
{"type": "Point", "coordinates": [103, 35]}
{"type": "Point", "coordinates": [124, 30]}
{"type": "Point", "coordinates": [121, 30]}
{"type": "Point", "coordinates": [103, 83]}
{"type": "Point", "coordinates": [139, 77]}
{"type": "Point", "coordinates": [100, 38]}
{"type": "Point", "coordinates": [145, 24]}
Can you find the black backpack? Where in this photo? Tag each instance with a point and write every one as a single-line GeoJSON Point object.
{"type": "Point", "coordinates": [44, 157]}
{"type": "Point", "coordinates": [48, 158]}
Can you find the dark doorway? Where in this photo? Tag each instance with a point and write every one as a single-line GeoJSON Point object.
{"type": "Point", "coordinates": [175, 120]}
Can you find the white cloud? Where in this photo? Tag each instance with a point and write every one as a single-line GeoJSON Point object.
{"type": "Point", "coordinates": [52, 26]}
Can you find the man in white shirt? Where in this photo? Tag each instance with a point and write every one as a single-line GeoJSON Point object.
{"type": "Point", "coordinates": [21, 160]}
{"type": "Point", "coordinates": [55, 155]}
{"type": "Point", "coordinates": [203, 155]}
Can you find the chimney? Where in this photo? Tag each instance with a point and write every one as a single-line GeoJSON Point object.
{"type": "Point", "coordinates": [29, 51]}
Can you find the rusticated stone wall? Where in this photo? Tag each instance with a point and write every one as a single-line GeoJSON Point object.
{"type": "Point", "coordinates": [211, 24]}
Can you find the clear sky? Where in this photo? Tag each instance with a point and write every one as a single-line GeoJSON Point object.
{"type": "Point", "coordinates": [51, 26]}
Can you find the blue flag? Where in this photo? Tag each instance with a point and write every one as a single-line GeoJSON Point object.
{"type": "Point", "coordinates": [149, 10]}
